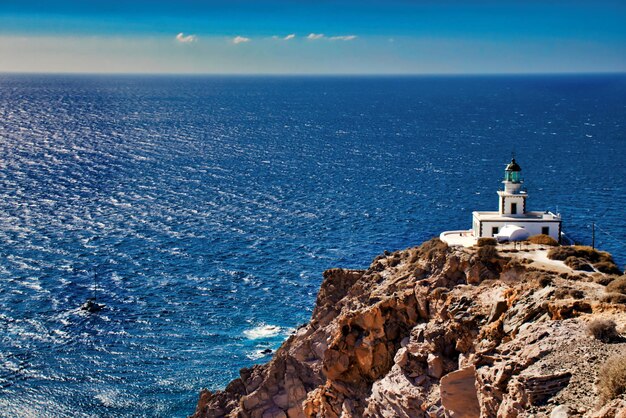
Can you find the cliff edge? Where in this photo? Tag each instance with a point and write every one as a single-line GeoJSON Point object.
{"type": "Point", "coordinates": [435, 331]}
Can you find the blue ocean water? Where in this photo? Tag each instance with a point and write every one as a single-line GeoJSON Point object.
{"type": "Point", "coordinates": [206, 209]}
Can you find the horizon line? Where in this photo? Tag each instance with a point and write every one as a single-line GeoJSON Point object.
{"type": "Point", "coordinates": [321, 74]}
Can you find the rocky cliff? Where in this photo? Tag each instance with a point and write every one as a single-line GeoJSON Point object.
{"type": "Point", "coordinates": [435, 331]}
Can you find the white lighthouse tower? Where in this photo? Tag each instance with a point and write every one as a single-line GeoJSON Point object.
{"type": "Point", "coordinates": [512, 198]}
{"type": "Point", "coordinates": [512, 222]}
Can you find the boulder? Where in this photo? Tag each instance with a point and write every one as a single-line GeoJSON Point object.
{"type": "Point", "coordinates": [458, 393]}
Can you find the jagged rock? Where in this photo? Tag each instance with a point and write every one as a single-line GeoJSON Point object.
{"type": "Point", "coordinates": [530, 307]}
{"type": "Point", "coordinates": [561, 411]}
{"type": "Point", "coordinates": [458, 393]}
{"type": "Point", "coordinates": [614, 409]}
{"type": "Point", "coordinates": [527, 391]}
{"type": "Point", "coordinates": [433, 332]}
{"type": "Point", "coordinates": [435, 366]}
{"type": "Point", "coordinates": [498, 309]}
{"type": "Point", "coordinates": [539, 388]}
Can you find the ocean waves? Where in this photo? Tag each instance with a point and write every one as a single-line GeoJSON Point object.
{"type": "Point", "coordinates": [204, 210]}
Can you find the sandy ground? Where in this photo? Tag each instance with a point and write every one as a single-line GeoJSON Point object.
{"type": "Point", "coordinates": [539, 256]}
{"type": "Point", "coordinates": [537, 253]}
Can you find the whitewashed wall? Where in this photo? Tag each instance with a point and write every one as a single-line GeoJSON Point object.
{"type": "Point", "coordinates": [533, 228]}
{"type": "Point", "coordinates": [508, 200]}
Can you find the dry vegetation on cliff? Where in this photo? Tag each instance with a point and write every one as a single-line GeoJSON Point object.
{"type": "Point", "coordinates": [579, 257]}
{"type": "Point", "coordinates": [543, 239]}
{"type": "Point", "coordinates": [434, 331]}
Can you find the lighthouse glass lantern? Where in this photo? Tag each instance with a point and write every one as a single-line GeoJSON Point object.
{"type": "Point", "coordinates": [512, 172]}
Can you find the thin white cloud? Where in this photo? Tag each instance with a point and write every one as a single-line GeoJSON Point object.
{"type": "Point", "coordinates": [343, 38]}
{"type": "Point", "coordinates": [314, 36]}
{"type": "Point", "coordinates": [240, 40]}
{"type": "Point", "coordinates": [186, 39]}
{"type": "Point", "coordinates": [290, 36]}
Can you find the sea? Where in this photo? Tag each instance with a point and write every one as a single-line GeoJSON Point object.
{"type": "Point", "coordinates": [201, 211]}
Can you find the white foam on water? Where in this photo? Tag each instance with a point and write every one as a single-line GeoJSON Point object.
{"type": "Point", "coordinates": [117, 279]}
{"type": "Point", "coordinates": [258, 354]}
{"type": "Point", "coordinates": [262, 331]}
{"type": "Point", "coordinates": [32, 283]}
{"type": "Point", "coordinates": [165, 382]}
{"type": "Point", "coordinates": [112, 398]}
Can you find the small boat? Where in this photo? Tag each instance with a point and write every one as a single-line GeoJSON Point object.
{"type": "Point", "coordinates": [91, 306]}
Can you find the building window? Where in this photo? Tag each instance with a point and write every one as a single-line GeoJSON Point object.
{"type": "Point", "coordinates": [514, 208]}
{"type": "Point", "coordinates": [494, 230]}
{"type": "Point", "coordinates": [545, 230]}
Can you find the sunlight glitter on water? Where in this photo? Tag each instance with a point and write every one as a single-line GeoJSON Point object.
{"type": "Point", "coordinates": [208, 208]}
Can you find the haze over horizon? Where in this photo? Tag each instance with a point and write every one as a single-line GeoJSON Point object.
{"type": "Point", "coordinates": [287, 37]}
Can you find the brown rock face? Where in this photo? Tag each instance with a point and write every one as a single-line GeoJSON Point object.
{"type": "Point", "coordinates": [434, 332]}
{"type": "Point", "coordinates": [458, 393]}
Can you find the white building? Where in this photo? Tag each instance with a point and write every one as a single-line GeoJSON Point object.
{"type": "Point", "coordinates": [512, 222]}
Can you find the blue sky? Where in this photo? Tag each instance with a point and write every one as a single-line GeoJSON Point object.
{"type": "Point", "coordinates": [312, 37]}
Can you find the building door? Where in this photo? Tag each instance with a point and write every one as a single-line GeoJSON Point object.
{"type": "Point", "coordinates": [545, 230]}
{"type": "Point", "coordinates": [513, 208]}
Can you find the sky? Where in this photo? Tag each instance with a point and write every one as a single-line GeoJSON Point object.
{"type": "Point", "coordinates": [312, 37]}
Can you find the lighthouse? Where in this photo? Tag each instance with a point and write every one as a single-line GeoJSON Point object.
{"type": "Point", "coordinates": [513, 221]}
{"type": "Point", "coordinates": [512, 198]}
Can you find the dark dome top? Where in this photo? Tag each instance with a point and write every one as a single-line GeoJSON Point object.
{"type": "Point", "coordinates": [513, 166]}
